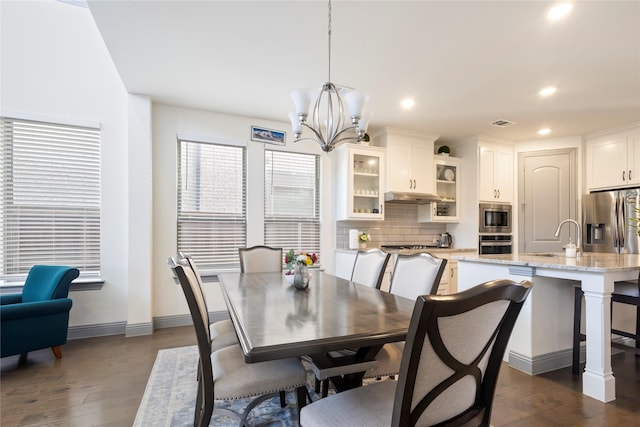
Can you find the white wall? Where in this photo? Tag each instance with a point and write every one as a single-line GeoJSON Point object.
{"type": "Point", "coordinates": [55, 66]}
{"type": "Point", "coordinates": [168, 123]}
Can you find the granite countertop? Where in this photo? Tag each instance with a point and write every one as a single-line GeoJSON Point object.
{"type": "Point", "coordinates": [589, 261]}
{"type": "Point", "coordinates": [415, 251]}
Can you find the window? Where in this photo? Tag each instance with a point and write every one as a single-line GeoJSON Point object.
{"type": "Point", "coordinates": [211, 203]}
{"type": "Point", "coordinates": [50, 198]}
{"type": "Point", "coordinates": [292, 201]}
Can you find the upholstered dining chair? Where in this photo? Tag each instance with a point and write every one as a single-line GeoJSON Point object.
{"type": "Point", "coordinates": [368, 270]}
{"type": "Point", "coordinates": [626, 292]}
{"type": "Point", "coordinates": [413, 275]}
{"type": "Point", "coordinates": [260, 259]}
{"type": "Point", "coordinates": [223, 374]}
{"type": "Point", "coordinates": [222, 332]}
{"type": "Point", "coordinates": [449, 369]}
{"type": "Point", "coordinates": [369, 266]}
{"type": "Point", "coordinates": [38, 317]}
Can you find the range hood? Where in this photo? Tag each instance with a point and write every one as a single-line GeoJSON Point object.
{"type": "Point", "coordinates": [417, 198]}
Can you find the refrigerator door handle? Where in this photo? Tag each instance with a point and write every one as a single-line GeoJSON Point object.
{"type": "Point", "coordinates": [616, 224]}
{"type": "Point", "coordinates": [622, 217]}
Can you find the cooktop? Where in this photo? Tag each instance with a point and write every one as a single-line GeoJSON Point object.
{"type": "Point", "coordinates": [410, 246]}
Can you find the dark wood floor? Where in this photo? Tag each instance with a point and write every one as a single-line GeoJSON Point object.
{"type": "Point", "coordinates": [100, 382]}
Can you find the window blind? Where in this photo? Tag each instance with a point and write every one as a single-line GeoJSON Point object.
{"type": "Point", "coordinates": [50, 198]}
{"type": "Point", "coordinates": [292, 201]}
{"type": "Point", "coordinates": [211, 203]}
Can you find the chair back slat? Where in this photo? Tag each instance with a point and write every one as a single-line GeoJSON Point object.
{"type": "Point", "coordinates": [369, 266]}
{"type": "Point", "coordinates": [415, 275]}
{"type": "Point", "coordinates": [260, 259]}
{"type": "Point", "coordinates": [453, 354]}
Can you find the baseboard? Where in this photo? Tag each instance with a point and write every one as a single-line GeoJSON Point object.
{"type": "Point", "coordinates": [551, 361]}
{"type": "Point", "coordinates": [139, 329]}
{"type": "Point", "coordinates": [99, 330]}
{"type": "Point", "coordinates": [185, 319]}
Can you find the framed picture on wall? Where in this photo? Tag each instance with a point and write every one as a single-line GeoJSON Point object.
{"type": "Point", "coordinates": [269, 136]}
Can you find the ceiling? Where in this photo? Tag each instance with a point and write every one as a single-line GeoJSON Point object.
{"type": "Point", "coordinates": [466, 64]}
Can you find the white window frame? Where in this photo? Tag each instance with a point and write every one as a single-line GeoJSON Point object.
{"type": "Point", "coordinates": [215, 246]}
{"type": "Point", "coordinates": [50, 209]}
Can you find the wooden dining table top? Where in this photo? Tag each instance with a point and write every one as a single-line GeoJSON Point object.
{"type": "Point", "coordinates": [273, 320]}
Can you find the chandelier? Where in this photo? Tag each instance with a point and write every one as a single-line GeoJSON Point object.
{"type": "Point", "coordinates": [329, 123]}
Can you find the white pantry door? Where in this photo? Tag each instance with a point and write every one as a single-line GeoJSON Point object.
{"type": "Point", "coordinates": [547, 195]}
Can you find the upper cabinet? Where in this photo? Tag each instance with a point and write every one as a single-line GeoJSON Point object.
{"type": "Point", "coordinates": [447, 175]}
{"type": "Point", "coordinates": [613, 159]}
{"type": "Point", "coordinates": [359, 172]}
{"type": "Point", "coordinates": [409, 161]}
{"type": "Point", "coordinates": [495, 174]}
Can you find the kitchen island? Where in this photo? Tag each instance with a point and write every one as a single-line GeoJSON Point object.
{"type": "Point", "coordinates": [541, 340]}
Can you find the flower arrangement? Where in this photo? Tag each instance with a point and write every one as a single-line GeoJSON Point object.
{"type": "Point", "coordinates": [303, 258]}
{"type": "Point", "coordinates": [364, 237]}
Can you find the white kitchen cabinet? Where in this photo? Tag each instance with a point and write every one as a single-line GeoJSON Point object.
{"type": "Point", "coordinates": [495, 174]}
{"type": "Point", "coordinates": [359, 184]}
{"type": "Point", "coordinates": [410, 162]}
{"type": "Point", "coordinates": [447, 174]}
{"type": "Point", "coordinates": [613, 160]}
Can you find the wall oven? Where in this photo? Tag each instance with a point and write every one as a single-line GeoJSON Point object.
{"type": "Point", "coordinates": [495, 218]}
{"type": "Point", "coordinates": [493, 244]}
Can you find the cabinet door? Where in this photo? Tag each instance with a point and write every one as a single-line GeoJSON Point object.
{"type": "Point", "coordinates": [453, 276]}
{"type": "Point", "coordinates": [422, 166]}
{"type": "Point", "coordinates": [606, 162]}
{"type": "Point", "coordinates": [633, 166]}
{"type": "Point", "coordinates": [399, 161]}
{"type": "Point", "coordinates": [503, 175]}
{"type": "Point", "coordinates": [486, 185]}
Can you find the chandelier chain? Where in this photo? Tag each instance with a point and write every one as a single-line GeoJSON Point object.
{"type": "Point", "coordinates": [329, 35]}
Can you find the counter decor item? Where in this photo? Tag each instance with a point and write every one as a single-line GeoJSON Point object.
{"type": "Point", "coordinates": [363, 238]}
{"type": "Point", "coordinates": [298, 268]}
{"type": "Point", "coordinates": [444, 150]}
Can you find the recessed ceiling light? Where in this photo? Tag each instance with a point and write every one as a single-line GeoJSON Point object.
{"type": "Point", "coordinates": [408, 103]}
{"type": "Point", "coordinates": [559, 11]}
{"type": "Point", "coordinates": [547, 91]}
{"type": "Point", "coordinates": [545, 131]}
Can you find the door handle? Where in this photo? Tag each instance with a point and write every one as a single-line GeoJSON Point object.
{"type": "Point", "coordinates": [629, 174]}
{"type": "Point", "coordinates": [624, 176]}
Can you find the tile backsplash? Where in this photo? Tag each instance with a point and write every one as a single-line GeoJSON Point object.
{"type": "Point", "coordinates": [400, 226]}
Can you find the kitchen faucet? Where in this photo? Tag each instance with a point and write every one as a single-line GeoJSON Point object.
{"type": "Point", "coordinates": [577, 226]}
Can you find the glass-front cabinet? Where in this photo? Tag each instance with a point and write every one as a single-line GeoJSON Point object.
{"type": "Point", "coordinates": [446, 179]}
{"type": "Point", "coordinates": [359, 182]}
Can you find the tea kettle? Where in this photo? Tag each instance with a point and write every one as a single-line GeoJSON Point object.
{"type": "Point", "coordinates": [445, 240]}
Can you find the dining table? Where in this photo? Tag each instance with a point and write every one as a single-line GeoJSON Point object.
{"type": "Point", "coordinates": [274, 320]}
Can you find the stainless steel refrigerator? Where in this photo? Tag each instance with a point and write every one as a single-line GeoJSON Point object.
{"type": "Point", "coordinates": [606, 224]}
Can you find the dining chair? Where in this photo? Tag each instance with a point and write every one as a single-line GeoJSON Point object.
{"type": "Point", "coordinates": [450, 366]}
{"type": "Point", "coordinates": [222, 332]}
{"type": "Point", "coordinates": [624, 292]}
{"type": "Point", "coordinates": [369, 266]}
{"type": "Point", "coordinates": [260, 259]}
{"type": "Point", "coordinates": [413, 275]}
{"type": "Point", "coordinates": [368, 270]}
{"type": "Point", "coordinates": [223, 374]}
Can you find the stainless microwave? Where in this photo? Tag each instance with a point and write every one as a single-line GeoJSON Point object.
{"type": "Point", "coordinates": [495, 218]}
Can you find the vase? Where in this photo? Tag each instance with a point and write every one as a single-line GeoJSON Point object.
{"type": "Point", "coordinates": [363, 245]}
{"type": "Point", "coordinates": [300, 276]}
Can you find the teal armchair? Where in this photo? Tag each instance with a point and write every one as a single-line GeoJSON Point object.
{"type": "Point", "coordinates": [38, 317]}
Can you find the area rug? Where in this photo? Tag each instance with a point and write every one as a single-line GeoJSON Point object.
{"type": "Point", "coordinates": [169, 398]}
